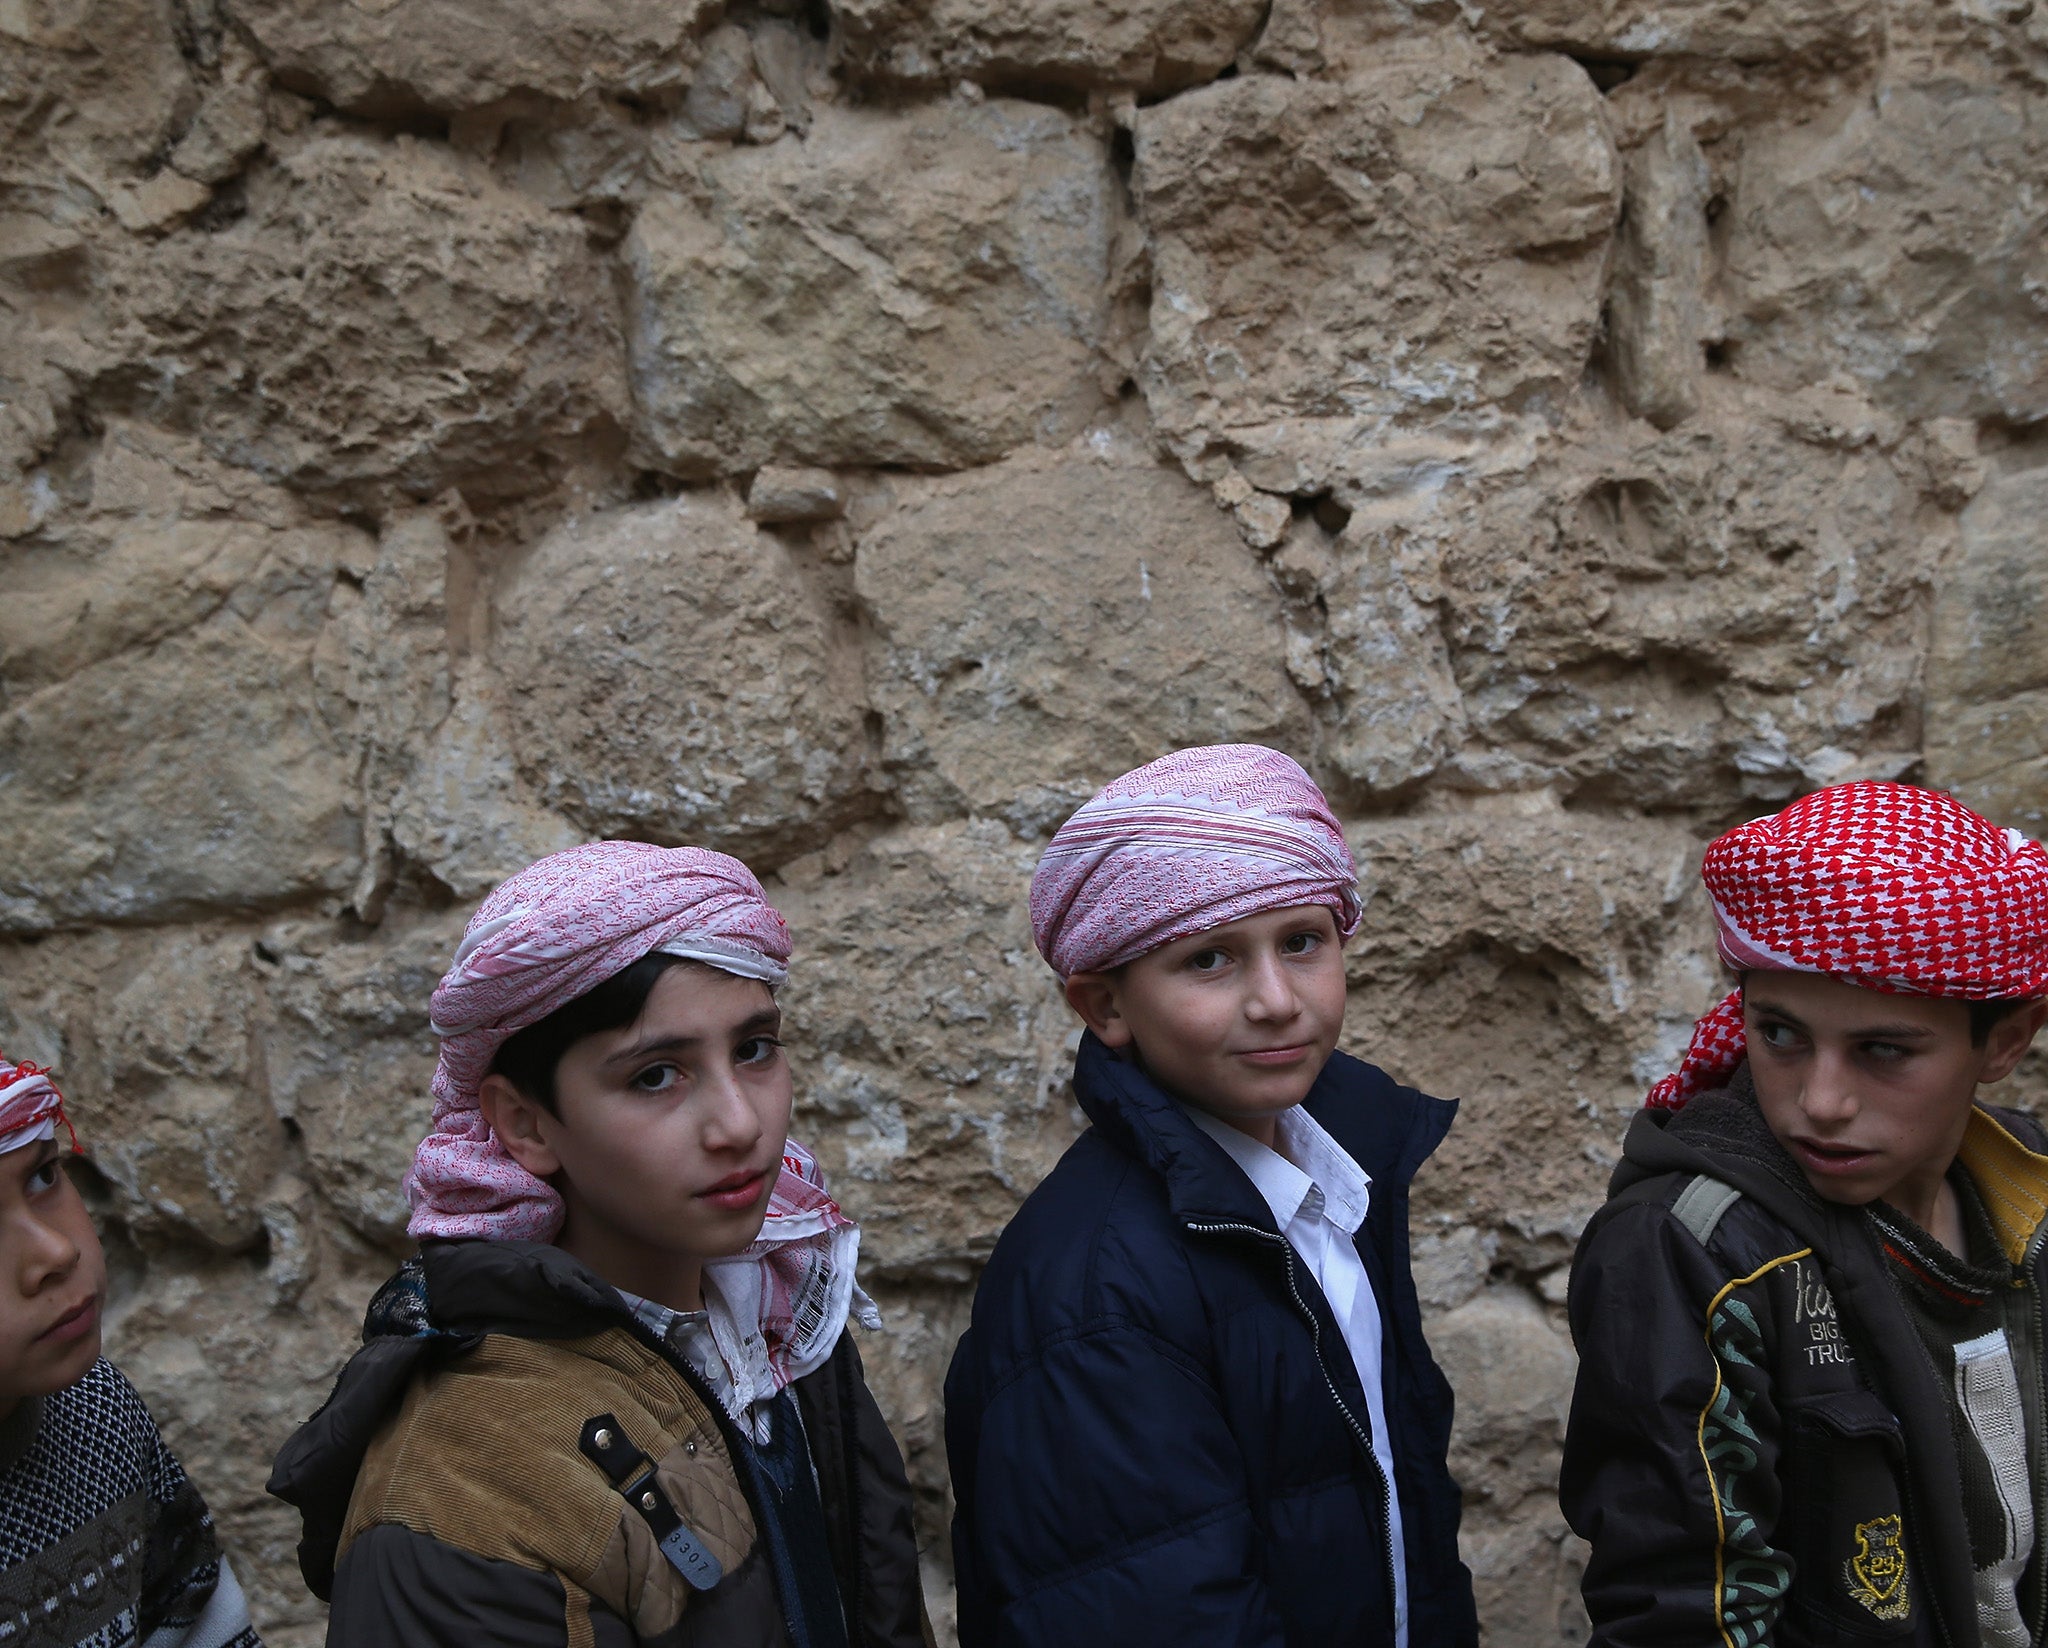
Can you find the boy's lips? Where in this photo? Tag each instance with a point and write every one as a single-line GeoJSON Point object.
{"type": "Point", "coordinates": [737, 1190]}
{"type": "Point", "coordinates": [74, 1324]}
{"type": "Point", "coordinates": [1292, 1053]}
{"type": "Point", "coordinates": [1831, 1158]}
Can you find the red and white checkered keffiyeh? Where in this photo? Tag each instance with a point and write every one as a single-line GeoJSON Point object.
{"type": "Point", "coordinates": [553, 932]}
{"type": "Point", "coordinates": [1191, 841]}
{"type": "Point", "coordinates": [1883, 886]}
{"type": "Point", "coordinates": [30, 1106]}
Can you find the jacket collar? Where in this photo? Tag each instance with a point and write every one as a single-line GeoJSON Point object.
{"type": "Point", "coordinates": [1389, 1130]}
{"type": "Point", "coordinates": [531, 1290]}
{"type": "Point", "coordinates": [2011, 1179]}
{"type": "Point", "coordinates": [1723, 1134]}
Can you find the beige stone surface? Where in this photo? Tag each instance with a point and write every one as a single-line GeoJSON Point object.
{"type": "Point", "coordinates": [1822, 33]}
{"type": "Point", "coordinates": [1656, 317]}
{"type": "Point", "coordinates": [675, 673]}
{"type": "Point", "coordinates": [1888, 248]}
{"type": "Point", "coordinates": [1089, 639]}
{"type": "Point", "coordinates": [926, 290]}
{"type": "Point", "coordinates": [1419, 246]}
{"type": "Point", "coordinates": [431, 434]}
{"type": "Point", "coordinates": [1144, 45]}
{"type": "Point", "coordinates": [415, 322]}
{"type": "Point", "coordinates": [936, 1104]}
{"type": "Point", "coordinates": [90, 90]}
{"type": "Point", "coordinates": [1987, 672]}
{"type": "Point", "coordinates": [383, 57]}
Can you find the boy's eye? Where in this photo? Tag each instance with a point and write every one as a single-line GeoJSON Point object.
{"type": "Point", "coordinates": [1300, 944]}
{"type": "Point", "coordinates": [656, 1078]}
{"type": "Point", "coordinates": [1886, 1052]}
{"type": "Point", "coordinates": [44, 1178]}
{"type": "Point", "coordinates": [1780, 1036]}
{"type": "Point", "coordinates": [756, 1050]}
{"type": "Point", "coordinates": [1207, 961]}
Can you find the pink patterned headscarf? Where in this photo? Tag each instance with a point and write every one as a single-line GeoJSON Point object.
{"type": "Point", "coordinates": [1191, 841]}
{"type": "Point", "coordinates": [556, 930]}
{"type": "Point", "coordinates": [1883, 886]}
{"type": "Point", "coordinates": [30, 1106]}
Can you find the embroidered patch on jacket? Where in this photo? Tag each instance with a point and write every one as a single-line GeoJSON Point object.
{"type": "Point", "coordinates": [1876, 1574]}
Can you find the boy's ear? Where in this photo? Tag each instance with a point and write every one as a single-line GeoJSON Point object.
{"type": "Point", "coordinates": [1095, 997]}
{"type": "Point", "coordinates": [2010, 1038]}
{"type": "Point", "coordinates": [521, 1125]}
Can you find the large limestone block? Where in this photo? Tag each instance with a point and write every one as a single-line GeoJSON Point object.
{"type": "Point", "coordinates": [1987, 673]}
{"type": "Point", "coordinates": [440, 788]}
{"type": "Point", "coordinates": [90, 91]}
{"type": "Point", "coordinates": [1147, 46]}
{"type": "Point", "coordinates": [1656, 320]}
{"type": "Point", "coordinates": [383, 312]}
{"type": "Point", "coordinates": [1891, 246]}
{"type": "Point", "coordinates": [673, 674]}
{"type": "Point", "coordinates": [1512, 1369]}
{"type": "Point", "coordinates": [930, 1044]}
{"type": "Point", "coordinates": [350, 1057]}
{"type": "Point", "coordinates": [1042, 626]}
{"type": "Point", "coordinates": [81, 599]}
{"type": "Point", "coordinates": [924, 288]}
{"type": "Point", "coordinates": [165, 1097]}
{"type": "Point", "coordinates": [1366, 642]}
{"type": "Point", "coordinates": [383, 57]}
{"type": "Point", "coordinates": [1417, 245]}
{"type": "Point", "coordinates": [197, 775]}
{"type": "Point", "coordinates": [1723, 612]}
{"type": "Point", "coordinates": [1510, 957]}
{"type": "Point", "coordinates": [1820, 34]}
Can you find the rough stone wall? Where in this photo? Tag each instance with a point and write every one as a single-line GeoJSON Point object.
{"type": "Point", "coordinates": [844, 432]}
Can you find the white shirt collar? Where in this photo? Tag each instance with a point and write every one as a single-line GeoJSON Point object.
{"type": "Point", "coordinates": [1310, 1173]}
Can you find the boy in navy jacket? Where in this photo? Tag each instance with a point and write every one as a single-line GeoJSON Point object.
{"type": "Point", "coordinates": [1194, 1404]}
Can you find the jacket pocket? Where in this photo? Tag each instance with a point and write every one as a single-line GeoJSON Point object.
{"type": "Point", "coordinates": [1845, 1522]}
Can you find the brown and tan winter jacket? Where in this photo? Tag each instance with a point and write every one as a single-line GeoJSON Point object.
{"type": "Point", "coordinates": [499, 1465]}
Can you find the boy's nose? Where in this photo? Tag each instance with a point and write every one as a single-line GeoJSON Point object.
{"type": "Point", "coordinates": [1271, 995]}
{"type": "Point", "coordinates": [730, 1121]}
{"type": "Point", "coordinates": [1829, 1094]}
{"type": "Point", "coordinates": [45, 1253]}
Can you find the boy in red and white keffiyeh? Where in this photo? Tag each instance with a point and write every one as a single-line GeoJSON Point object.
{"type": "Point", "coordinates": [624, 1338]}
{"type": "Point", "coordinates": [103, 1538]}
{"type": "Point", "coordinates": [1810, 1315]}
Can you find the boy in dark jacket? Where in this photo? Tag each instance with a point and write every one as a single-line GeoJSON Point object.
{"type": "Point", "coordinates": [1194, 1405]}
{"type": "Point", "coordinates": [613, 1401]}
{"type": "Point", "coordinates": [1810, 1405]}
{"type": "Point", "coordinates": [104, 1542]}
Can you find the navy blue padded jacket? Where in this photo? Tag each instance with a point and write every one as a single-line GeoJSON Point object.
{"type": "Point", "coordinates": [1156, 1432]}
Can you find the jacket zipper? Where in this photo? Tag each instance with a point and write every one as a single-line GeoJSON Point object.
{"type": "Point", "coordinates": [2029, 1257]}
{"type": "Point", "coordinates": [1361, 1432]}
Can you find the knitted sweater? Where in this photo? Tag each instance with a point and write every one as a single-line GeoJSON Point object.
{"type": "Point", "coordinates": [1982, 1333]}
{"type": "Point", "coordinates": [104, 1542]}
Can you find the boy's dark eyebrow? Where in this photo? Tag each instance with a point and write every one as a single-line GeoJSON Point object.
{"type": "Point", "coordinates": [1868, 1032]}
{"type": "Point", "coordinates": [768, 1019]}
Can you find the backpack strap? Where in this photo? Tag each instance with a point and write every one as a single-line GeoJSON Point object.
{"type": "Point", "coordinates": [1701, 1204]}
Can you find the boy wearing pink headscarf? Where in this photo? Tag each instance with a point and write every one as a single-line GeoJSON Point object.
{"type": "Point", "coordinates": [613, 1401]}
{"type": "Point", "coordinates": [104, 1542]}
{"type": "Point", "coordinates": [1194, 1405]}
{"type": "Point", "coordinates": [1810, 1405]}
